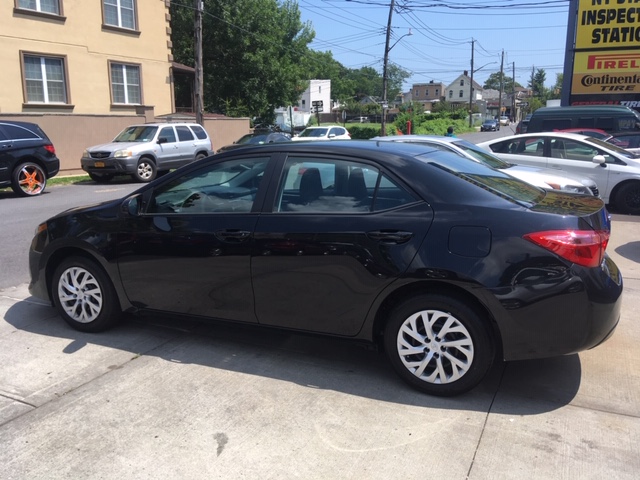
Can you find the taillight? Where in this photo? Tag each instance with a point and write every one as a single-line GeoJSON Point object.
{"type": "Point", "coordinates": [50, 148]}
{"type": "Point", "coordinates": [584, 247]}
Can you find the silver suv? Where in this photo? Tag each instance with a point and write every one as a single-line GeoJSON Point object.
{"type": "Point", "coordinates": [144, 150]}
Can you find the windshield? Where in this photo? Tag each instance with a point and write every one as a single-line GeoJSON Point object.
{"type": "Point", "coordinates": [612, 147]}
{"type": "Point", "coordinates": [481, 155]}
{"type": "Point", "coordinates": [137, 133]}
{"type": "Point", "coordinates": [314, 132]}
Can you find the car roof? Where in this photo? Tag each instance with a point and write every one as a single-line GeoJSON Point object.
{"type": "Point", "coordinates": [409, 138]}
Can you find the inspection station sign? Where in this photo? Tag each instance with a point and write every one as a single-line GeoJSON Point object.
{"type": "Point", "coordinates": [606, 54]}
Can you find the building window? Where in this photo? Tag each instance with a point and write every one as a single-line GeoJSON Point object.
{"type": "Point", "coordinates": [120, 13]}
{"type": "Point", "coordinates": [462, 83]}
{"type": "Point", "coordinates": [436, 92]}
{"type": "Point", "coordinates": [450, 93]}
{"type": "Point", "coordinates": [125, 84]}
{"type": "Point", "coordinates": [44, 79]}
{"type": "Point", "coordinates": [45, 6]}
{"type": "Point", "coordinates": [461, 93]}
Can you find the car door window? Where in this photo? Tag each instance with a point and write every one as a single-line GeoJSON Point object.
{"type": "Point", "coordinates": [16, 132]}
{"type": "Point", "coordinates": [579, 151]}
{"type": "Point", "coordinates": [168, 133]}
{"type": "Point", "coordinates": [336, 186]}
{"type": "Point", "coordinates": [227, 187]}
{"type": "Point", "coordinates": [184, 134]}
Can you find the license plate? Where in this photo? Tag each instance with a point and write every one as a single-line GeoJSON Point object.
{"type": "Point", "coordinates": [98, 164]}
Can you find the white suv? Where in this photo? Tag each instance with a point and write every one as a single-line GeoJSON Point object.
{"type": "Point", "coordinates": [144, 150]}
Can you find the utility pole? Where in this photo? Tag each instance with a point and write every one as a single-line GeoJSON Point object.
{"type": "Point", "coordinates": [501, 87]}
{"type": "Point", "coordinates": [199, 89]}
{"type": "Point", "coordinates": [383, 126]}
{"type": "Point", "coordinates": [513, 92]}
{"type": "Point", "coordinates": [471, 89]}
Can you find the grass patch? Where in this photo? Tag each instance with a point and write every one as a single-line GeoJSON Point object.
{"type": "Point", "coordinates": [68, 180]}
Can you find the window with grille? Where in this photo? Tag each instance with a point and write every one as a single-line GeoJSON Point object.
{"type": "Point", "coordinates": [45, 6]}
{"type": "Point", "coordinates": [120, 13]}
{"type": "Point", "coordinates": [44, 79]}
{"type": "Point", "coordinates": [125, 84]}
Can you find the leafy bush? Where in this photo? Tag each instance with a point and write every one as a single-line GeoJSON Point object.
{"type": "Point", "coordinates": [363, 131]}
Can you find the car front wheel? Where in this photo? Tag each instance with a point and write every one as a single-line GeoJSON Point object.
{"type": "Point", "coordinates": [28, 180]}
{"type": "Point", "coordinates": [145, 171]}
{"type": "Point", "coordinates": [438, 344]}
{"type": "Point", "coordinates": [84, 295]}
{"type": "Point", "coordinates": [628, 198]}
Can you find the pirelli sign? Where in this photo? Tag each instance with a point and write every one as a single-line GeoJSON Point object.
{"type": "Point", "coordinates": [606, 57]}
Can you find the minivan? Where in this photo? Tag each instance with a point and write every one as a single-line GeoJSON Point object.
{"type": "Point", "coordinates": [610, 118]}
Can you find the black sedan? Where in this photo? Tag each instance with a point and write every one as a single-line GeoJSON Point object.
{"type": "Point", "coordinates": [442, 262]}
{"type": "Point", "coordinates": [256, 138]}
{"type": "Point", "coordinates": [490, 125]}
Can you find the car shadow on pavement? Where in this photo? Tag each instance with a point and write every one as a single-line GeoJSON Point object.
{"type": "Point", "coordinates": [311, 361]}
{"type": "Point", "coordinates": [630, 250]}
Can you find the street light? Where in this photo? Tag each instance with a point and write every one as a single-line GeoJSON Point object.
{"type": "Point", "coordinates": [385, 80]}
{"type": "Point", "coordinates": [471, 86]}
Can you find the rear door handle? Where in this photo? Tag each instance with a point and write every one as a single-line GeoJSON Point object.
{"type": "Point", "coordinates": [390, 236]}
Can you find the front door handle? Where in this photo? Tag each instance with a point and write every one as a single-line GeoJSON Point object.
{"type": "Point", "coordinates": [232, 235]}
{"type": "Point", "coordinates": [390, 236]}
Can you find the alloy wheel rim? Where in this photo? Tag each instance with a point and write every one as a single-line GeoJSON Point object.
{"type": "Point", "coordinates": [435, 347]}
{"type": "Point", "coordinates": [31, 180]}
{"type": "Point", "coordinates": [80, 295]}
{"type": "Point", "coordinates": [145, 170]}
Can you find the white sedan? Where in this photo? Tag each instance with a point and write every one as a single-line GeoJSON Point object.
{"type": "Point", "coordinates": [615, 170]}
{"type": "Point", "coordinates": [538, 176]}
{"type": "Point", "coordinates": [323, 133]}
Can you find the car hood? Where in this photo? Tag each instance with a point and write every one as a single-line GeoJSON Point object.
{"type": "Point", "coordinates": [540, 175]}
{"type": "Point", "coordinates": [112, 146]}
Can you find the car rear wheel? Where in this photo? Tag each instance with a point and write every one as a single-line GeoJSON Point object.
{"type": "Point", "coordinates": [628, 198]}
{"type": "Point", "coordinates": [101, 177]}
{"type": "Point", "coordinates": [84, 295]}
{"type": "Point", "coordinates": [438, 344]}
{"type": "Point", "coordinates": [145, 171]}
{"type": "Point", "coordinates": [29, 179]}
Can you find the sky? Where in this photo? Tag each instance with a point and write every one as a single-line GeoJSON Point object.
{"type": "Point", "coordinates": [530, 33]}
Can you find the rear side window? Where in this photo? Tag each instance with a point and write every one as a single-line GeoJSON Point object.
{"type": "Point", "coordinates": [16, 132]}
{"type": "Point", "coordinates": [551, 124]}
{"type": "Point", "coordinates": [3, 136]}
{"type": "Point", "coordinates": [605, 123]}
{"type": "Point", "coordinates": [184, 134]}
{"type": "Point", "coordinates": [199, 131]}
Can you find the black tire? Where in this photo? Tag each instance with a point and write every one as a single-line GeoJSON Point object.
{"type": "Point", "coordinates": [146, 170]}
{"type": "Point", "coordinates": [627, 198]}
{"type": "Point", "coordinates": [28, 179]}
{"type": "Point", "coordinates": [200, 156]}
{"type": "Point", "coordinates": [436, 366]}
{"type": "Point", "coordinates": [101, 177]}
{"type": "Point", "coordinates": [84, 296]}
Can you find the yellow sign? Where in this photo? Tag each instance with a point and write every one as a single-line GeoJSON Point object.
{"type": "Point", "coordinates": [608, 23]}
{"type": "Point", "coordinates": [606, 72]}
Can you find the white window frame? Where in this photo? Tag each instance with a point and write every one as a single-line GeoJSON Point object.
{"type": "Point", "coordinates": [126, 85]}
{"type": "Point", "coordinates": [38, 7]}
{"type": "Point", "coordinates": [119, 8]}
{"type": "Point", "coordinates": [45, 81]}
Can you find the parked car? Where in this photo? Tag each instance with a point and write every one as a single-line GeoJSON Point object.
{"type": "Point", "coordinates": [144, 150]}
{"type": "Point", "coordinates": [257, 138]}
{"type": "Point", "coordinates": [630, 141]}
{"type": "Point", "coordinates": [504, 120]}
{"type": "Point", "coordinates": [590, 132]}
{"type": "Point", "coordinates": [323, 133]}
{"type": "Point", "coordinates": [440, 261]}
{"type": "Point", "coordinates": [538, 176]}
{"type": "Point", "coordinates": [615, 170]}
{"type": "Point", "coordinates": [358, 120]}
{"type": "Point", "coordinates": [27, 158]}
{"type": "Point", "coordinates": [523, 124]}
{"type": "Point", "coordinates": [610, 118]}
{"type": "Point", "coordinates": [489, 125]}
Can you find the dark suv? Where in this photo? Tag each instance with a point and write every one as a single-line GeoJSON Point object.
{"type": "Point", "coordinates": [27, 158]}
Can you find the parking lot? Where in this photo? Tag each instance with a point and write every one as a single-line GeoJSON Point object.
{"type": "Point", "coordinates": [158, 398]}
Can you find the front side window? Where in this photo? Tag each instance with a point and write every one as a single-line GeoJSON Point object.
{"type": "Point", "coordinates": [227, 187]}
{"type": "Point", "coordinates": [168, 134]}
{"type": "Point", "coordinates": [125, 84]}
{"type": "Point", "coordinates": [312, 185]}
{"type": "Point", "coordinates": [44, 79]}
{"type": "Point", "coordinates": [120, 13]}
{"type": "Point", "coordinates": [44, 6]}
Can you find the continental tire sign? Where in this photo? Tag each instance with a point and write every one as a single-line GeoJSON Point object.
{"type": "Point", "coordinates": [606, 57]}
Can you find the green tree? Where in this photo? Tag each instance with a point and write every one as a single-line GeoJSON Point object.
{"type": "Point", "coordinates": [493, 82]}
{"type": "Point", "coordinates": [536, 82]}
{"type": "Point", "coordinates": [253, 52]}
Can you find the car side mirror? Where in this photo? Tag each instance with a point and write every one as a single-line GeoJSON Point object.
{"type": "Point", "coordinates": [132, 205]}
{"type": "Point", "coordinates": [162, 140]}
{"type": "Point", "coordinates": [599, 159]}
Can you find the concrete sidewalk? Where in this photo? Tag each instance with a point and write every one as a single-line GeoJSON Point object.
{"type": "Point", "coordinates": [165, 399]}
